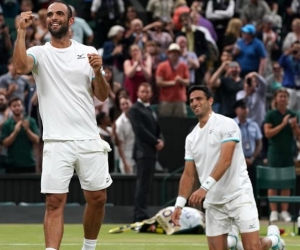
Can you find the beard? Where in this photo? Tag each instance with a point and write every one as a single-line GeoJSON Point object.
{"type": "Point", "coordinates": [3, 107]}
{"type": "Point", "coordinates": [59, 33]}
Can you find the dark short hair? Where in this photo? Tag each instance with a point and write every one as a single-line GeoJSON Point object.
{"type": "Point", "coordinates": [70, 13]}
{"type": "Point", "coordinates": [14, 99]}
{"type": "Point", "coordinates": [146, 85]}
{"type": "Point", "coordinates": [205, 89]}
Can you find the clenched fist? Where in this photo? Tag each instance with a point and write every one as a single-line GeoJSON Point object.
{"type": "Point", "coordinates": [26, 20]}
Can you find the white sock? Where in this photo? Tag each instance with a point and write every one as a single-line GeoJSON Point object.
{"type": "Point", "coordinates": [89, 244]}
{"type": "Point", "coordinates": [273, 235]}
{"type": "Point", "coordinates": [231, 241]}
{"type": "Point", "coordinates": [50, 248]}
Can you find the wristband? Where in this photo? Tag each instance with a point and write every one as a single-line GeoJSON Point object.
{"type": "Point", "coordinates": [180, 202]}
{"type": "Point", "coordinates": [102, 71]}
{"type": "Point", "coordinates": [208, 183]}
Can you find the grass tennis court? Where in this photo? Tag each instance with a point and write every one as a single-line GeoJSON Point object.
{"type": "Point", "coordinates": [30, 237]}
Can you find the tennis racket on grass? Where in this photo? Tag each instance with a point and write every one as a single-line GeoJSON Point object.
{"type": "Point", "coordinates": [125, 228]}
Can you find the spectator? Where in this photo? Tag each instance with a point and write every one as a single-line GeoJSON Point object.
{"type": "Point", "coordinates": [274, 80]}
{"type": "Point", "coordinates": [172, 78]}
{"type": "Point", "coordinates": [154, 52]}
{"type": "Point", "coordinates": [188, 57]}
{"type": "Point", "coordinates": [82, 32]}
{"type": "Point", "coordinates": [219, 13]}
{"type": "Point", "coordinates": [269, 38]}
{"type": "Point", "coordinates": [114, 51]}
{"type": "Point", "coordinates": [254, 93]}
{"type": "Point", "coordinates": [239, 5]}
{"type": "Point", "coordinates": [125, 136]}
{"type": "Point", "coordinates": [4, 115]}
{"type": "Point", "coordinates": [196, 43]}
{"type": "Point", "coordinates": [232, 34]}
{"type": "Point", "coordinates": [227, 86]}
{"type": "Point", "coordinates": [129, 16]}
{"type": "Point", "coordinates": [106, 14]}
{"type": "Point", "coordinates": [148, 141]}
{"type": "Point", "coordinates": [106, 133]}
{"type": "Point", "coordinates": [138, 36]}
{"type": "Point", "coordinates": [254, 11]}
{"type": "Point", "coordinates": [202, 21]}
{"type": "Point", "coordinates": [290, 62]}
{"type": "Point", "coordinates": [163, 38]}
{"type": "Point", "coordinates": [30, 39]}
{"type": "Point", "coordinates": [25, 5]}
{"type": "Point", "coordinates": [251, 138]}
{"type": "Point", "coordinates": [116, 108]}
{"type": "Point", "coordinates": [180, 7]}
{"type": "Point", "coordinates": [292, 36]}
{"type": "Point", "coordinates": [280, 128]}
{"type": "Point", "coordinates": [18, 135]}
{"type": "Point", "coordinates": [5, 45]}
{"type": "Point", "coordinates": [42, 33]}
{"type": "Point", "coordinates": [137, 70]}
{"type": "Point", "coordinates": [108, 105]}
{"type": "Point", "coordinates": [12, 85]}
{"type": "Point", "coordinates": [250, 52]}
{"type": "Point", "coordinates": [158, 9]}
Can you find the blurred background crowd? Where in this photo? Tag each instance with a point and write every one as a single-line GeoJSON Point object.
{"type": "Point", "coordinates": [246, 51]}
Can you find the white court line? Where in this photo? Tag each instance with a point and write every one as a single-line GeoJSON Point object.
{"type": "Point", "coordinates": [118, 244]}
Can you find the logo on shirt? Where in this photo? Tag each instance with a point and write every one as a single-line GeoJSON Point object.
{"type": "Point", "coordinates": [80, 56]}
{"type": "Point", "coordinates": [107, 179]}
{"type": "Point", "coordinates": [210, 131]}
{"type": "Point", "coordinates": [230, 134]}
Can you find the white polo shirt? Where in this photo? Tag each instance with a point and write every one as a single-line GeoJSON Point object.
{"type": "Point", "coordinates": [63, 78]}
{"type": "Point", "coordinates": [203, 147]}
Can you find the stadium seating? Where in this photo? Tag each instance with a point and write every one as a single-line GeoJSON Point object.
{"type": "Point", "coordinates": [277, 178]}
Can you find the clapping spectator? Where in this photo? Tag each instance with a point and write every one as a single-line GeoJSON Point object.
{"type": "Point", "coordinates": [172, 78]}
{"type": "Point", "coordinates": [18, 135]}
{"type": "Point", "coordinates": [12, 84]}
{"type": "Point", "coordinates": [138, 36]}
{"type": "Point", "coordinates": [280, 127]}
{"type": "Point", "coordinates": [137, 70]}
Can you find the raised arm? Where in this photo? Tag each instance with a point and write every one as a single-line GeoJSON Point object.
{"type": "Point", "coordinates": [23, 63]}
{"type": "Point", "coordinates": [100, 86]}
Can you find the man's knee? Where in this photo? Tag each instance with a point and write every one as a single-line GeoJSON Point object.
{"type": "Point", "coordinates": [55, 202]}
{"type": "Point", "coordinates": [96, 198]}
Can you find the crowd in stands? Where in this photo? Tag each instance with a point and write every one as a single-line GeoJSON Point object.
{"type": "Point", "coordinates": [246, 51]}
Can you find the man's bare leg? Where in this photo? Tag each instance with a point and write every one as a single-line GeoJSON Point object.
{"type": "Point", "coordinates": [93, 217]}
{"type": "Point", "coordinates": [54, 219]}
{"type": "Point", "coordinates": [217, 242]}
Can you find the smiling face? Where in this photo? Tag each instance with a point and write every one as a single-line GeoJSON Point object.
{"type": "Point", "coordinates": [199, 103]}
{"type": "Point", "coordinates": [58, 20]}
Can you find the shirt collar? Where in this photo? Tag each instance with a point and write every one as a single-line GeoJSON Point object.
{"type": "Point", "coordinates": [193, 28]}
{"type": "Point", "coordinates": [248, 120]}
{"type": "Point", "coordinates": [144, 103]}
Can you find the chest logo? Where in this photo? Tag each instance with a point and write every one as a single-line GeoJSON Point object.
{"type": "Point", "coordinates": [80, 56]}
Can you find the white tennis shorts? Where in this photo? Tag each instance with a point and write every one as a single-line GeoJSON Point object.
{"type": "Point", "coordinates": [61, 158]}
{"type": "Point", "coordinates": [241, 211]}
